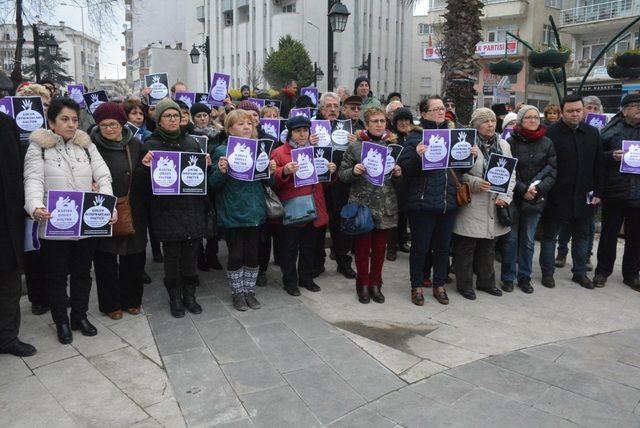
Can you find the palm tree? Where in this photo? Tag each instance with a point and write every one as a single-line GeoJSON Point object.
{"type": "Point", "coordinates": [460, 64]}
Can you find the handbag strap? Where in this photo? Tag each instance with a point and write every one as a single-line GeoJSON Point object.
{"type": "Point", "coordinates": [455, 179]}
{"type": "Point", "coordinates": [130, 168]}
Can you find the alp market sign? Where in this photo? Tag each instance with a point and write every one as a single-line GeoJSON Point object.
{"type": "Point", "coordinates": [483, 49]}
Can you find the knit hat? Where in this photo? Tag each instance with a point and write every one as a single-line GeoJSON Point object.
{"type": "Point", "coordinates": [499, 109]}
{"type": "Point", "coordinates": [481, 116]}
{"type": "Point", "coordinates": [630, 98]}
{"type": "Point", "coordinates": [523, 110]}
{"type": "Point", "coordinates": [296, 122]}
{"type": "Point", "coordinates": [359, 80]}
{"type": "Point", "coordinates": [511, 117]}
{"type": "Point", "coordinates": [200, 108]}
{"type": "Point", "coordinates": [110, 111]}
{"type": "Point", "coordinates": [394, 95]}
{"type": "Point", "coordinates": [401, 113]}
{"type": "Point", "coordinates": [249, 106]}
{"type": "Point", "coordinates": [304, 101]}
{"type": "Point", "coordinates": [164, 105]}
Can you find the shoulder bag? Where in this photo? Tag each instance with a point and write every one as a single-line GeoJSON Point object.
{"type": "Point", "coordinates": [274, 206]}
{"type": "Point", "coordinates": [463, 191]}
{"type": "Point", "coordinates": [356, 219]}
{"type": "Point", "coordinates": [301, 209]}
{"type": "Point", "coordinates": [124, 225]}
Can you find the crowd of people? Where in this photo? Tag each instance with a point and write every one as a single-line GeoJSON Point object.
{"type": "Point", "coordinates": [566, 169]}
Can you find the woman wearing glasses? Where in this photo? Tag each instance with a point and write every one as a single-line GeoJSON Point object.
{"type": "Point", "coordinates": [535, 176]}
{"type": "Point", "coordinates": [179, 221]}
{"type": "Point", "coordinates": [119, 260]}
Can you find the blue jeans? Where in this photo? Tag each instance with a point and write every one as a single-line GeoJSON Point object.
{"type": "Point", "coordinates": [579, 230]}
{"type": "Point", "coordinates": [517, 252]}
{"type": "Point", "coordinates": [565, 236]}
{"type": "Point", "coordinates": [430, 232]}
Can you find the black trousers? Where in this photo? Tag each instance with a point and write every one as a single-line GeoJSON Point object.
{"type": "Point", "coordinates": [321, 252]}
{"type": "Point", "coordinates": [73, 257]}
{"type": "Point", "coordinates": [298, 243]}
{"type": "Point", "coordinates": [180, 261]}
{"type": "Point", "coordinates": [477, 252]}
{"type": "Point", "coordinates": [10, 291]}
{"type": "Point", "coordinates": [119, 280]}
{"type": "Point", "coordinates": [268, 237]}
{"type": "Point", "coordinates": [337, 196]}
{"type": "Point", "coordinates": [243, 244]}
{"type": "Point", "coordinates": [34, 276]}
{"type": "Point", "coordinates": [613, 215]}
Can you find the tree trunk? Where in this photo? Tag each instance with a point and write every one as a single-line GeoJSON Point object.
{"type": "Point", "coordinates": [460, 63]}
{"type": "Point", "coordinates": [16, 73]}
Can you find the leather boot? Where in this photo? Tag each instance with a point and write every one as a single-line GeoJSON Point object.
{"type": "Point", "coordinates": [363, 293]}
{"type": "Point", "coordinates": [175, 298]}
{"type": "Point", "coordinates": [189, 294]}
{"type": "Point", "coordinates": [64, 333]}
{"type": "Point", "coordinates": [376, 294]}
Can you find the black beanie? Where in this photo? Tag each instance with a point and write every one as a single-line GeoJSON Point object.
{"type": "Point", "coordinates": [200, 108]}
{"type": "Point", "coordinates": [304, 101]}
{"type": "Point", "coordinates": [359, 80]}
{"type": "Point", "coordinates": [401, 113]}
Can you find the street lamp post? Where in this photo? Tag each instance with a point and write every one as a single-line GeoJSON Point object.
{"type": "Point", "coordinates": [50, 43]}
{"type": "Point", "coordinates": [317, 74]}
{"type": "Point", "coordinates": [366, 67]}
{"type": "Point", "coordinates": [195, 57]}
{"type": "Point", "coordinates": [337, 21]}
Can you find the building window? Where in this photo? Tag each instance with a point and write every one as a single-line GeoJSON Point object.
{"type": "Point", "coordinates": [425, 29]}
{"type": "Point", "coordinates": [387, 24]}
{"type": "Point", "coordinates": [499, 32]}
{"type": "Point", "coordinates": [228, 19]}
{"type": "Point", "coordinates": [592, 47]}
{"type": "Point", "coordinates": [379, 23]}
{"type": "Point", "coordinates": [547, 35]}
{"type": "Point", "coordinates": [556, 4]}
{"type": "Point", "coordinates": [7, 36]}
{"type": "Point", "coordinates": [425, 82]}
{"type": "Point", "coordinates": [290, 8]}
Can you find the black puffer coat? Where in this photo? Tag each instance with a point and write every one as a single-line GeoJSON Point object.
{"type": "Point", "coordinates": [618, 186]}
{"type": "Point", "coordinates": [115, 156]}
{"type": "Point", "coordinates": [176, 218]}
{"type": "Point", "coordinates": [536, 161]}
{"type": "Point", "coordinates": [579, 155]}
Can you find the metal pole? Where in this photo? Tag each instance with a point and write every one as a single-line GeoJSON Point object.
{"type": "Point", "coordinates": [84, 50]}
{"type": "Point", "coordinates": [315, 74]}
{"type": "Point", "coordinates": [329, 50]}
{"type": "Point", "coordinates": [36, 50]}
{"type": "Point", "coordinates": [207, 49]}
{"type": "Point", "coordinates": [369, 68]}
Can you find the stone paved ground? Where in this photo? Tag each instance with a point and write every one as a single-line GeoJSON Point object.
{"type": "Point", "coordinates": [561, 357]}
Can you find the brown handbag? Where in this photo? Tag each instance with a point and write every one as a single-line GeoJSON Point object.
{"type": "Point", "coordinates": [463, 192]}
{"type": "Point", "coordinates": [124, 225]}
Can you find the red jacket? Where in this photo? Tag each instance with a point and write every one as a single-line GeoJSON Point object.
{"type": "Point", "coordinates": [284, 185]}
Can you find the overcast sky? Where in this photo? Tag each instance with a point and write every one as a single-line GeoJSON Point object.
{"type": "Point", "coordinates": [111, 55]}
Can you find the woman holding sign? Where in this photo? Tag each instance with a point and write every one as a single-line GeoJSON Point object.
{"type": "Point", "coordinates": [477, 225]}
{"type": "Point", "coordinates": [364, 166]}
{"type": "Point", "coordinates": [119, 260]}
{"type": "Point", "coordinates": [297, 239]}
{"type": "Point", "coordinates": [241, 206]}
{"type": "Point", "coordinates": [64, 158]}
{"type": "Point", "coordinates": [179, 221]}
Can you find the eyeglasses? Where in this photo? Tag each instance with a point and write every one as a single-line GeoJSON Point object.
{"type": "Point", "coordinates": [437, 109]}
{"type": "Point", "coordinates": [449, 104]}
{"type": "Point", "coordinates": [112, 126]}
{"type": "Point", "coordinates": [353, 107]}
{"type": "Point", "coordinates": [170, 116]}
{"type": "Point", "coordinates": [531, 118]}
{"type": "Point", "coordinates": [378, 121]}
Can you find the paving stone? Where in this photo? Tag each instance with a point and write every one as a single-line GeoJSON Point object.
{"type": "Point", "coordinates": [423, 369]}
{"type": "Point", "coordinates": [254, 318]}
{"type": "Point", "coordinates": [508, 383]}
{"type": "Point", "coordinates": [307, 325]}
{"type": "Point", "coordinates": [46, 342]}
{"type": "Point", "coordinates": [252, 376]}
{"type": "Point", "coordinates": [286, 351]}
{"type": "Point", "coordinates": [175, 335]}
{"type": "Point", "coordinates": [607, 368]}
{"type": "Point", "coordinates": [205, 396]}
{"type": "Point", "coordinates": [167, 413]}
{"type": "Point", "coordinates": [212, 309]}
{"type": "Point", "coordinates": [240, 423]}
{"type": "Point", "coordinates": [393, 359]}
{"type": "Point", "coordinates": [12, 369]}
{"type": "Point", "coordinates": [587, 384]}
{"type": "Point", "coordinates": [584, 411]}
{"type": "Point", "coordinates": [441, 353]}
{"type": "Point", "coordinates": [443, 388]}
{"type": "Point", "coordinates": [27, 403]}
{"type": "Point", "coordinates": [327, 395]}
{"type": "Point", "coordinates": [363, 418]}
{"type": "Point", "coordinates": [105, 341]}
{"type": "Point", "coordinates": [89, 397]}
{"type": "Point", "coordinates": [550, 351]}
{"type": "Point", "coordinates": [136, 332]}
{"type": "Point", "coordinates": [410, 410]}
{"type": "Point", "coordinates": [151, 352]}
{"type": "Point", "coordinates": [138, 377]}
{"type": "Point", "coordinates": [368, 377]}
{"type": "Point", "coordinates": [278, 407]}
{"type": "Point", "coordinates": [228, 340]}
{"type": "Point", "coordinates": [147, 423]}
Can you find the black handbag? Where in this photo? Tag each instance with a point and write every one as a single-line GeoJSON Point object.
{"type": "Point", "coordinates": [356, 219]}
{"type": "Point", "coordinates": [507, 215]}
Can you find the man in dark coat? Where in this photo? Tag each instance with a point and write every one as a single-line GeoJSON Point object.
{"type": "Point", "coordinates": [621, 198]}
{"type": "Point", "coordinates": [11, 240]}
{"type": "Point", "coordinates": [288, 97]}
{"type": "Point", "coordinates": [576, 191]}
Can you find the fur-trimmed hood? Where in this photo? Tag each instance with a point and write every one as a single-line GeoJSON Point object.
{"type": "Point", "coordinates": [388, 136]}
{"type": "Point", "coordinates": [47, 139]}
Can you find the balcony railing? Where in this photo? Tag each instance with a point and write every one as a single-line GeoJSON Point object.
{"type": "Point", "coordinates": [442, 4]}
{"type": "Point", "coordinates": [600, 12]}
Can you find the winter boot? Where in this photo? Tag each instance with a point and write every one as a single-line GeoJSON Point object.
{"type": "Point", "coordinates": [175, 298]}
{"type": "Point", "coordinates": [249, 286]}
{"type": "Point", "coordinates": [235, 278]}
{"type": "Point", "coordinates": [189, 294]}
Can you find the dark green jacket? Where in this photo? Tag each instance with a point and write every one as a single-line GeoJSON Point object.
{"type": "Point", "coordinates": [238, 203]}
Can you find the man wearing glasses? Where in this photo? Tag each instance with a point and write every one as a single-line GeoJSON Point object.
{"type": "Point", "coordinates": [351, 110]}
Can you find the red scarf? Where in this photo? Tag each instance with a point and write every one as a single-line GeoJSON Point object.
{"type": "Point", "coordinates": [364, 136]}
{"type": "Point", "coordinates": [531, 135]}
{"type": "Point", "coordinates": [289, 92]}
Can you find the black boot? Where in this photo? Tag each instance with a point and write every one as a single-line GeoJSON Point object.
{"type": "Point", "coordinates": [64, 333]}
{"type": "Point", "coordinates": [189, 295]}
{"type": "Point", "coordinates": [344, 268]}
{"type": "Point", "coordinates": [85, 327]}
{"type": "Point", "coordinates": [203, 265]}
{"type": "Point", "coordinates": [175, 298]}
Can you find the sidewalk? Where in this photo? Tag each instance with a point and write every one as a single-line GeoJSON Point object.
{"type": "Point", "coordinates": [561, 357]}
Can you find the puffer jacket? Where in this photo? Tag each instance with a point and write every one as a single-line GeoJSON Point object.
{"type": "Point", "coordinates": [618, 186]}
{"type": "Point", "coordinates": [53, 164]}
{"type": "Point", "coordinates": [536, 161]}
{"type": "Point", "coordinates": [175, 218]}
{"type": "Point", "coordinates": [432, 190]}
{"type": "Point", "coordinates": [238, 203]}
{"type": "Point", "coordinates": [479, 219]}
{"type": "Point", "coordinates": [382, 201]}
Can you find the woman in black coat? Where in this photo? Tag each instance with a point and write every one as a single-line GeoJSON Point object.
{"type": "Point", "coordinates": [119, 261]}
{"type": "Point", "coordinates": [535, 176]}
